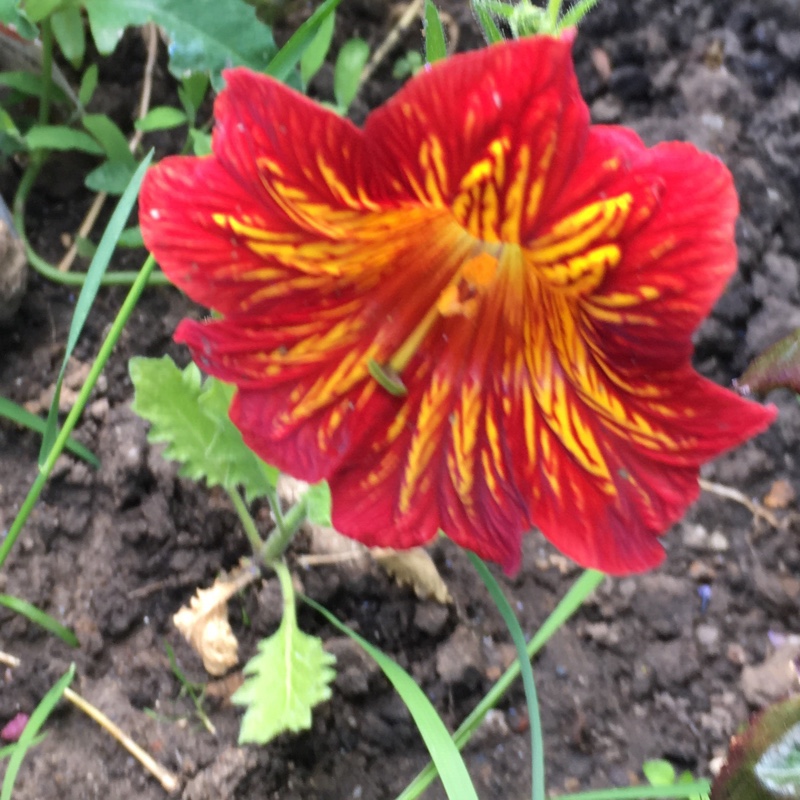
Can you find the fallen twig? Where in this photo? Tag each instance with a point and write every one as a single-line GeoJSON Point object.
{"type": "Point", "coordinates": [729, 493]}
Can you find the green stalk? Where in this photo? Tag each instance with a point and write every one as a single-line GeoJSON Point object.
{"type": "Point", "coordinates": [75, 412]}
{"type": "Point", "coordinates": [569, 604]}
{"type": "Point", "coordinates": [678, 790]}
{"type": "Point", "coordinates": [248, 523]}
{"type": "Point", "coordinates": [47, 71]}
{"type": "Point", "coordinates": [121, 278]}
{"type": "Point", "coordinates": [279, 539]}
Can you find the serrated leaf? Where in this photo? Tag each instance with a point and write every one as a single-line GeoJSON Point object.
{"type": "Point", "coordinates": [202, 37]}
{"type": "Point", "coordinates": [347, 71]}
{"type": "Point", "coordinates": [777, 367]}
{"type": "Point", "coordinates": [290, 674]}
{"type": "Point", "coordinates": [191, 417]}
{"type": "Point", "coordinates": [11, 14]}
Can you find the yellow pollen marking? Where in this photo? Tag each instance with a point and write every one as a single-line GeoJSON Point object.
{"type": "Point", "coordinates": [512, 212]}
{"type": "Point", "coordinates": [575, 233]}
{"type": "Point", "coordinates": [493, 437]}
{"type": "Point", "coordinates": [432, 413]}
{"type": "Point", "coordinates": [270, 165]}
{"type": "Point", "coordinates": [464, 429]}
{"type": "Point", "coordinates": [584, 272]}
{"type": "Point", "coordinates": [537, 187]}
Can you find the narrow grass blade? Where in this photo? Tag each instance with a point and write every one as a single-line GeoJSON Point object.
{"type": "Point", "coordinates": [21, 416]}
{"type": "Point", "coordinates": [435, 45]}
{"type": "Point", "coordinates": [451, 767]}
{"type": "Point", "coordinates": [41, 618]}
{"type": "Point", "coordinates": [286, 59]}
{"type": "Point", "coordinates": [568, 605]}
{"type": "Point", "coordinates": [26, 740]}
{"type": "Point", "coordinates": [488, 25]}
{"type": "Point", "coordinates": [89, 291]}
{"type": "Point", "coordinates": [8, 750]}
{"type": "Point", "coordinates": [518, 637]}
{"type": "Point", "coordinates": [677, 790]}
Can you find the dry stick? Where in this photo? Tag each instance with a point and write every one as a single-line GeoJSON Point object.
{"type": "Point", "coordinates": [163, 775]}
{"type": "Point", "coordinates": [151, 35]}
{"type": "Point", "coordinates": [729, 493]}
{"type": "Point", "coordinates": [413, 10]}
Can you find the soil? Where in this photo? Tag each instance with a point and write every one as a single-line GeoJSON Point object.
{"type": "Point", "coordinates": [648, 668]}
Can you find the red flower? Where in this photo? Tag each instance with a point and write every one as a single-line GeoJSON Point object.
{"type": "Point", "coordinates": [473, 315]}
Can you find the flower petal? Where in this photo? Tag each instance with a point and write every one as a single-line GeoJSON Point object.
{"type": "Point", "coordinates": [524, 286]}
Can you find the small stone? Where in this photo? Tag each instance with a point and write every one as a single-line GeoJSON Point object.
{"type": "Point", "coordinates": [736, 654]}
{"type": "Point", "coordinates": [459, 659]}
{"type": "Point", "coordinates": [603, 633]}
{"type": "Point", "coordinates": [718, 542]}
{"type": "Point", "coordinates": [701, 572]}
{"type": "Point", "coordinates": [354, 668]}
{"type": "Point", "coordinates": [695, 536]}
{"type": "Point", "coordinates": [431, 617]}
{"type": "Point", "coordinates": [708, 637]}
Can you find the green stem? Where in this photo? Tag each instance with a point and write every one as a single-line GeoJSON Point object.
{"type": "Point", "coordinates": [75, 412]}
{"type": "Point", "coordinates": [281, 536]}
{"type": "Point", "coordinates": [121, 278]}
{"type": "Point", "coordinates": [248, 523]}
{"type": "Point", "coordinates": [553, 13]}
{"type": "Point", "coordinates": [677, 790]}
{"type": "Point", "coordinates": [47, 71]}
{"type": "Point", "coordinates": [523, 660]}
{"type": "Point", "coordinates": [569, 604]}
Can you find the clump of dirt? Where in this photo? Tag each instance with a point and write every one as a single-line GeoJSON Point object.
{"type": "Point", "coordinates": [649, 668]}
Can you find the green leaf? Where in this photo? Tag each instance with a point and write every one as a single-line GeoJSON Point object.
{"type": "Point", "coordinates": [37, 719]}
{"type": "Point", "coordinates": [110, 177]}
{"type": "Point", "coordinates": [22, 416]}
{"type": "Point", "coordinates": [60, 137]}
{"type": "Point", "coordinates": [201, 142]}
{"type": "Point", "coordinates": [314, 55]}
{"type": "Point", "coordinates": [443, 750]}
{"type": "Point", "coordinates": [88, 84]}
{"type": "Point", "coordinates": [131, 237]}
{"type": "Point", "coordinates": [532, 701]}
{"type": "Point", "coordinates": [192, 92]}
{"type": "Point", "coordinates": [41, 618]}
{"type": "Point", "coordinates": [285, 60]}
{"type": "Point", "coordinates": [69, 33]}
{"type": "Point", "coordinates": [30, 84]}
{"type": "Point", "coordinates": [489, 27]}
{"type": "Point", "coordinates": [110, 137]}
{"type": "Point", "coordinates": [91, 285]}
{"type": "Point", "coordinates": [318, 504]}
{"type": "Point", "coordinates": [191, 417]}
{"type": "Point", "coordinates": [659, 772]}
{"type": "Point", "coordinates": [777, 367]}
{"type": "Point", "coordinates": [203, 37]}
{"type": "Point", "coordinates": [161, 118]}
{"type": "Point", "coordinates": [435, 45]}
{"type": "Point", "coordinates": [11, 14]}
{"type": "Point", "coordinates": [37, 10]}
{"type": "Point", "coordinates": [290, 674]}
{"type": "Point", "coordinates": [778, 769]}
{"type": "Point", "coordinates": [347, 71]}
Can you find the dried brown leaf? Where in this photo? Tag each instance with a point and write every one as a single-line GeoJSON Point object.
{"type": "Point", "coordinates": [414, 568]}
{"type": "Point", "coordinates": [781, 495]}
{"type": "Point", "coordinates": [204, 623]}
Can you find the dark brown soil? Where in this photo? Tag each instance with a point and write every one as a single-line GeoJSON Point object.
{"type": "Point", "coordinates": [643, 671]}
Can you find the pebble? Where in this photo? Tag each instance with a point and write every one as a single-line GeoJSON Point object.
{"type": "Point", "coordinates": [431, 617]}
{"type": "Point", "coordinates": [708, 637]}
{"type": "Point", "coordinates": [458, 656]}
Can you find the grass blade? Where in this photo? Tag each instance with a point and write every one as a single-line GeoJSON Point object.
{"type": "Point", "coordinates": [453, 772]}
{"type": "Point", "coordinates": [40, 617]}
{"type": "Point", "coordinates": [21, 416]}
{"type": "Point", "coordinates": [37, 719]}
{"type": "Point", "coordinates": [568, 605]}
{"type": "Point", "coordinates": [8, 750]}
{"type": "Point", "coordinates": [537, 741]}
{"type": "Point", "coordinates": [435, 45]}
{"type": "Point", "coordinates": [89, 291]}
{"type": "Point", "coordinates": [677, 790]}
{"type": "Point", "coordinates": [285, 60]}
{"type": "Point", "coordinates": [488, 25]}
